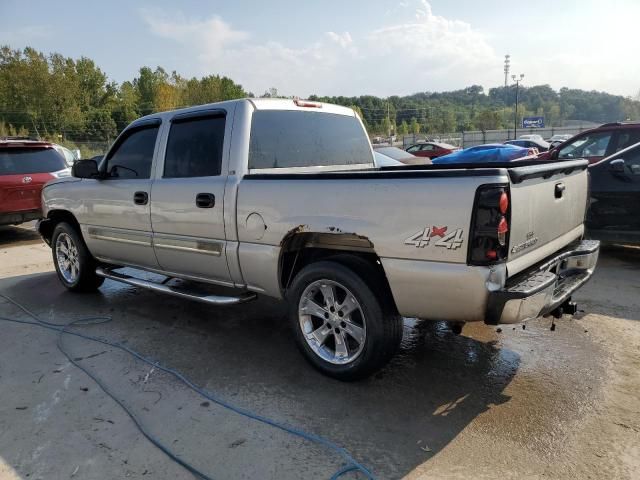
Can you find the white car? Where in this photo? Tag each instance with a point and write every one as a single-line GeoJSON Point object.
{"type": "Point", "coordinates": [559, 138]}
{"type": "Point", "coordinates": [534, 137]}
{"type": "Point", "coordinates": [391, 156]}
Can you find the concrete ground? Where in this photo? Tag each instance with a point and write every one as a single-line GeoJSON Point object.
{"type": "Point", "coordinates": [514, 403]}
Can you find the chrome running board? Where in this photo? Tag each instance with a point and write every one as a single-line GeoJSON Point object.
{"type": "Point", "coordinates": [163, 288]}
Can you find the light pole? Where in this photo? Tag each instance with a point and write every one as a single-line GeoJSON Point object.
{"type": "Point", "coordinates": [515, 114]}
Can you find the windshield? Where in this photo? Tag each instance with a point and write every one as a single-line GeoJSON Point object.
{"type": "Point", "coordinates": [592, 145]}
{"type": "Point", "coordinates": [17, 161]}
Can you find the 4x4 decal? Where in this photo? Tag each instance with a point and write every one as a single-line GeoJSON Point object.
{"type": "Point", "coordinates": [436, 236]}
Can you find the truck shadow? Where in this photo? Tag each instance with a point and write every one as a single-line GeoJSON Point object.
{"type": "Point", "coordinates": [23, 235]}
{"type": "Point", "coordinates": [614, 289]}
{"type": "Point", "coordinates": [392, 422]}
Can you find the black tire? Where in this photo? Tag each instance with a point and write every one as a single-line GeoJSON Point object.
{"type": "Point", "coordinates": [383, 327]}
{"type": "Point", "coordinates": [85, 279]}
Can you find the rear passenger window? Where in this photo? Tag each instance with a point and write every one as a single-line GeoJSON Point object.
{"type": "Point", "coordinates": [627, 138]}
{"type": "Point", "coordinates": [194, 148]}
{"type": "Point", "coordinates": [289, 138]}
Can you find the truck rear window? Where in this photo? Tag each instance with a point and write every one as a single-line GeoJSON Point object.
{"type": "Point", "coordinates": [18, 161]}
{"type": "Point", "coordinates": [289, 138]}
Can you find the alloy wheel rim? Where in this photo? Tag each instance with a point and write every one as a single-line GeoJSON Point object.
{"type": "Point", "coordinates": [67, 257]}
{"type": "Point", "coordinates": [332, 322]}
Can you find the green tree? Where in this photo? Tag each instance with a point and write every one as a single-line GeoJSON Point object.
{"type": "Point", "coordinates": [488, 120]}
{"type": "Point", "coordinates": [415, 126]}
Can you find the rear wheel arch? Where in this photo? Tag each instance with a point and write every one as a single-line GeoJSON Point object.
{"type": "Point", "coordinates": [350, 250]}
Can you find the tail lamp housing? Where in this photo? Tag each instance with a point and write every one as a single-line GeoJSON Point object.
{"type": "Point", "coordinates": [490, 225]}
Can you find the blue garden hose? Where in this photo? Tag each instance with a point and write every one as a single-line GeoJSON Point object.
{"type": "Point", "coordinates": [352, 465]}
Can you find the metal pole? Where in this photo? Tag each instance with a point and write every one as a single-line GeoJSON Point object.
{"type": "Point", "coordinates": [515, 115]}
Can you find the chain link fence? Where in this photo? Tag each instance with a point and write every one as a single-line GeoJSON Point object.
{"type": "Point", "coordinates": [480, 137]}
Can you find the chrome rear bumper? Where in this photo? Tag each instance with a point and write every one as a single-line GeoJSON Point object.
{"type": "Point", "coordinates": [544, 288]}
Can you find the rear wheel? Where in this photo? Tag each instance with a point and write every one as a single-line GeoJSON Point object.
{"type": "Point", "coordinates": [339, 323]}
{"type": "Point", "coordinates": [75, 266]}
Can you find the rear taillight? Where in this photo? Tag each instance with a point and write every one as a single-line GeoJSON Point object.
{"type": "Point", "coordinates": [489, 236]}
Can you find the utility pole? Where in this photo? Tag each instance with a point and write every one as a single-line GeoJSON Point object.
{"type": "Point", "coordinates": [389, 122]}
{"type": "Point", "coordinates": [506, 69]}
{"type": "Point", "coordinates": [515, 114]}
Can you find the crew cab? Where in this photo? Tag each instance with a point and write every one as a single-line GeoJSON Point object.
{"type": "Point", "coordinates": [25, 166]}
{"type": "Point", "coordinates": [281, 198]}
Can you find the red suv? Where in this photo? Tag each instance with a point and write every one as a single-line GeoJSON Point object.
{"type": "Point", "coordinates": [25, 166]}
{"type": "Point", "coordinates": [597, 143]}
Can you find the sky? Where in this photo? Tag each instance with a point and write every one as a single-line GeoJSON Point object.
{"type": "Point", "coordinates": [344, 47]}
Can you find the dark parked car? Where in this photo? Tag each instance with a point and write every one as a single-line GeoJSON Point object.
{"type": "Point", "coordinates": [541, 145]}
{"type": "Point", "coordinates": [597, 143]}
{"type": "Point", "coordinates": [431, 149]}
{"type": "Point", "coordinates": [615, 196]}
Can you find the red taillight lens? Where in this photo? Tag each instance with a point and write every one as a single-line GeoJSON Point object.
{"type": "Point", "coordinates": [489, 235]}
{"type": "Point", "coordinates": [504, 203]}
{"type": "Point", "coordinates": [503, 228]}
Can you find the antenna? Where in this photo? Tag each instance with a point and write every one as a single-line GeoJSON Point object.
{"type": "Point", "coordinates": [507, 63]}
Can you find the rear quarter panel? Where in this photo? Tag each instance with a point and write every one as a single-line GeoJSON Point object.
{"type": "Point", "coordinates": [392, 213]}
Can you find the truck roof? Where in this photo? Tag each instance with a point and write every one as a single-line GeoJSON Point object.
{"type": "Point", "coordinates": [261, 104]}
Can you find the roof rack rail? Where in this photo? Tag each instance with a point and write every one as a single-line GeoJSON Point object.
{"type": "Point", "coordinates": [18, 137]}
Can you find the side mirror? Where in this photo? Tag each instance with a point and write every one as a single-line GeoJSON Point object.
{"type": "Point", "coordinates": [617, 165]}
{"type": "Point", "coordinates": [85, 169]}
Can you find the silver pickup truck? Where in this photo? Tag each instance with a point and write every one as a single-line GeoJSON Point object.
{"type": "Point", "coordinates": [281, 198]}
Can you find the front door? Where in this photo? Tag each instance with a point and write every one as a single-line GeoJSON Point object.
{"type": "Point", "coordinates": [187, 198]}
{"type": "Point", "coordinates": [615, 194]}
{"type": "Point", "coordinates": [115, 214]}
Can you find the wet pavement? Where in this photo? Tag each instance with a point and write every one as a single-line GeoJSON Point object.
{"type": "Point", "coordinates": [519, 402]}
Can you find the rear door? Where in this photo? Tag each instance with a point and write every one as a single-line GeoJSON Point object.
{"type": "Point", "coordinates": [615, 193]}
{"type": "Point", "coordinates": [187, 200]}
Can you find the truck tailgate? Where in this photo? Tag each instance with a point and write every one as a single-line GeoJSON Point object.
{"type": "Point", "coordinates": [548, 203]}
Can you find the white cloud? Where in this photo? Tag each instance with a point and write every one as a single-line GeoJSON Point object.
{"type": "Point", "coordinates": [423, 52]}
{"type": "Point", "coordinates": [211, 36]}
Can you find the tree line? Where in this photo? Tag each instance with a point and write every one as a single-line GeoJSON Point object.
{"type": "Point", "coordinates": [72, 100]}
{"type": "Point", "coordinates": [472, 108]}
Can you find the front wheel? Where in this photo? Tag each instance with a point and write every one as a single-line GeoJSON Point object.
{"type": "Point", "coordinates": [75, 266]}
{"type": "Point", "coordinates": [340, 325]}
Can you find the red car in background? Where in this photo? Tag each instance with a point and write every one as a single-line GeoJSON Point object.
{"type": "Point", "coordinates": [25, 166]}
{"type": "Point", "coordinates": [431, 149]}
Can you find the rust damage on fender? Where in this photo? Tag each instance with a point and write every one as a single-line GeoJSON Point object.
{"type": "Point", "coordinates": [331, 237]}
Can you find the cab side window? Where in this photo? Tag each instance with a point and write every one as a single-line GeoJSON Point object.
{"type": "Point", "coordinates": [627, 138]}
{"type": "Point", "coordinates": [133, 157]}
{"type": "Point", "coordinates": [194, 148]}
